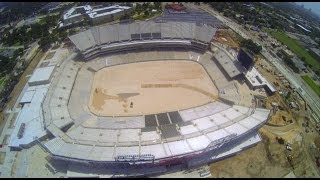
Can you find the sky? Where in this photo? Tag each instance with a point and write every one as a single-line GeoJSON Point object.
{"type": "Point", "coordinates": [314, 6]}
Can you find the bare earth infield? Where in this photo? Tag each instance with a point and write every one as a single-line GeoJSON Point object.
{"type": "Point", "coordinates": [150, 87]}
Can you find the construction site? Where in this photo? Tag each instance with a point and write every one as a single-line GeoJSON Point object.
{"type": "Point", "coordinates": [289, 139]}
{"type": "Point", "coordinates": [157, 99]}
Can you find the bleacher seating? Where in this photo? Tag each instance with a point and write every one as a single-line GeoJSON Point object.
{"type": "Point", "coordinates": [166, 135]}
{"type": "Point", "coordinates": [139, 31]}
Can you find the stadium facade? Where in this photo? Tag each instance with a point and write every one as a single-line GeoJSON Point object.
{"type": "Point", "coordinates": [189, 138]}
{"type": "Point", "coordinates": [147, 144]}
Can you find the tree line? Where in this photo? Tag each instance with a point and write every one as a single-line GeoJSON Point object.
{"type": "Point", "coordinates": [8, 68]}
{"type": "Point", "coordinates": [146, 8]}
{"type": "Point", "coordinates": [17, 10]}
{"type": "Point", "coordinates": [251, 46]}
{"type": "Point", "coordinates": [40, 30]}
{"type": "Point", "coordinates": [254, 14]}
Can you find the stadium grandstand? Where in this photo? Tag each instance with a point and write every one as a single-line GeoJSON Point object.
{"type": "Point", "coordinates": [139, 35]}
{"type": "Point", "coordinates": [144, 144]}
{"type": "Point", "coordinates": [186, 138]}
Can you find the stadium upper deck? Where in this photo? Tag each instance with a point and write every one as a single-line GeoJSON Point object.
{"type": "Point", "coordinates": [119, 37]}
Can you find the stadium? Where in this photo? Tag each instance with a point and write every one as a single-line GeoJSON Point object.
{"type": "Point", "coordinates": [146, 98]}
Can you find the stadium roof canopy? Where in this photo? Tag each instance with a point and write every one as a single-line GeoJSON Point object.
{"type": "Point", "coordinates": [31, 116]}
{"type": "Point", "coordinates": [41, 75]}
{"type": "Point", "coordinates": [27, 97]}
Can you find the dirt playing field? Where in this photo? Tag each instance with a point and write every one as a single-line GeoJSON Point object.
{"type": "Point", "coordinates": [150, 87]}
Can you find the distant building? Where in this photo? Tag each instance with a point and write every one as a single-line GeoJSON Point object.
{"type": "Point", "coordinates": [95, 16]}
{"type": "Point", "coordinates": [176, 7]}
{"type": "Point", "coordinates": [254, 28]}
{"type": "Point", "coordinates": [268, 5]}
{"type": "Point", "coordinates": [253, 78]}
{"type": "Point", "coordinates": [134, 4]}
{"type": "Point", "coordinates": [76, 14]}
{"type": "Point", "coordinates": [308, 41]}
{"type": "Point", "coordinates": [305, 29]}
{"type": "Point", "coordinates": [263, 35]}
{"type": "Point", "coordinates": [107, 14]}
{"type": "Point", "coordinates": [294, 105]}
{"type": "Point", "coordinates": [249, 6]}
{"type": "Point", "coordinates": [286, 53]}
{"type": "Point", "coordinates": [41, 76]}
{"type": "Point", "coordinates": [299, 63]}
{"type": "Point", "coordinates": [246, 59]}
{"type": "Point", "coordinates": [315, 51]}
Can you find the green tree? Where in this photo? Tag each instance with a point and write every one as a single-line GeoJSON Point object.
{"type": "Point", "coordinates": [45, 43]}
{"type": "Point", "coordinates": [146, 13]}
{"type": "Point", "coordinates": [145, 6]}
{"type": "Point", "coordinates": [124, 17]}
{"type": "Point", "coordinates": [71, 32]}
{"type": "Point", "coordinates": [138, 8]}
{"type": "Point", "coordinates": [250, 45]}
{"type": "Point", "coordinates": [63, 35]}
{"type": "Point", "coordinates": [157, 6]}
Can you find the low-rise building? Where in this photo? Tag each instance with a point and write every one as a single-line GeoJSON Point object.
{"type": "Point", "coordinates": [107, 14]}
{"type": "Point", "coordinates": [294, 105]}
{"type": "Point", "coordinates": [287, 52]}
{"type": "Point", "coordinates": [41, 76]}
{"type": "Point", "coordinates": [315, 51]}
{"type": "Point", "coordinates": [255, 81]}
{"type": "Point", "coordinates": [95, 16]}
{"type": "Point", "coordinates": [263, 35]}
{"type": "Point", "coordinates": [76, 14]}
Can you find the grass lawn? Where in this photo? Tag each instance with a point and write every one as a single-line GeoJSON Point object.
{"type": "Point", "coordinates": [17, 44]}
{"type": "Point", "coordinates": [142, 17]}
{"type": "Point", "coordinates": [42, 20]}
{"type": "Point", "coordinates": [139, 16]}
{"type": "Point", "coordinates": [2, 80]}
{"type": "Point", "coordinates": [296, 48]}
{"type": "Point", "coordinates": [313, 85]}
